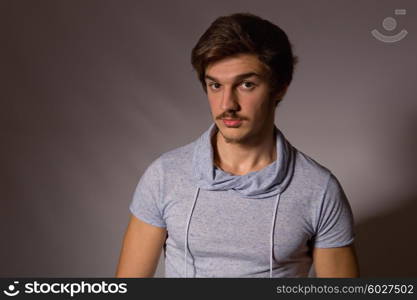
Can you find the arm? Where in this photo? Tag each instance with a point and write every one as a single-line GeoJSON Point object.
{"type": "Point", "coordinates": [336, 262]}
{"type": "Point", "coordinates": [141, 249]}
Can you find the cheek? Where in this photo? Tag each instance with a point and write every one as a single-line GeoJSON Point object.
{"type": "Point", "coordinates": [257, 105]}
{"type": "Point", "coordinates": [213, 106]}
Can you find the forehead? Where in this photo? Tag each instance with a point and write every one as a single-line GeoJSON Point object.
{"type": "Point", "coordinates": [230, 67]}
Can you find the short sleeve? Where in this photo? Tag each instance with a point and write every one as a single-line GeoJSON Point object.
{"type": "Point", "coordinates": [146, 202]}
{"type": "Point", "coordinates": [335, 220]}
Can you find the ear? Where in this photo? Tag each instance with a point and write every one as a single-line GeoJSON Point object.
{"type": "Point", "coordinates": [280, 94]}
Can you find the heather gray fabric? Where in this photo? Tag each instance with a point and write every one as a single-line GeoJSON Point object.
{"type": "Point", "coordinates": [261, 224]}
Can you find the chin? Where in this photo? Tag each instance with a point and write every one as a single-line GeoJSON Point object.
{"type": "Point", "coordinates": [233, 135]}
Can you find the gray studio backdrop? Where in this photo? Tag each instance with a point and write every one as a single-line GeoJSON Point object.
{"type": "Point", "coordinates": [93, 91]}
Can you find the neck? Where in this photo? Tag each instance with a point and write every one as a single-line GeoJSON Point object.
{"type": "Point", "coordinates": [242, 158]}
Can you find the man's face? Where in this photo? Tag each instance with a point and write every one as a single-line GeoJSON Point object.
{"type": "Point", "coordinates": [239, 98]}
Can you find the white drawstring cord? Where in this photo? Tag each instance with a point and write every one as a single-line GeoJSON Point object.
{"type": "Point", "coordinates": [186, 232]}
{"type": "Point", "coordinates": [272, 233]}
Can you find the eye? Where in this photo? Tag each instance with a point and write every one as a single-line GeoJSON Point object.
{"type": "Point", "coordinates": [247, 85]}
{"type": "Point", "coordinates": [214, 85]}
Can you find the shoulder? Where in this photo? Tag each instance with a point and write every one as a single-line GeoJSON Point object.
{"type": "Point", "coordinates": [173, 160]}
{"type": "Point", "coordinates": [320, 179]}
{"type": "Point", "coordinates": [178, 154]}
{"type": "Point", "coordinates": [311, 171]}
{"type": "Point", "coordinates": [177, 157]}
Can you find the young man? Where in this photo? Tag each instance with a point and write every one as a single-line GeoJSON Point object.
{"type": "Point", "coordinates": [240, 201]}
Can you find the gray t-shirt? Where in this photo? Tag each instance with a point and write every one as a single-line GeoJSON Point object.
{"type": "Point", "coordinates": [261, 224]}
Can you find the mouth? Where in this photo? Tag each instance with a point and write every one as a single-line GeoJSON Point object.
{"type": "Point", "coordinates": [232, 123]}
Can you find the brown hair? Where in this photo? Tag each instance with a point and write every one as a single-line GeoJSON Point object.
{"type": "Point", "coordinates": [246, 33]}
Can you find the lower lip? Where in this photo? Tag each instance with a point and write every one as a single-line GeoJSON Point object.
{"type": "Point", "coordinates": [232, 123]}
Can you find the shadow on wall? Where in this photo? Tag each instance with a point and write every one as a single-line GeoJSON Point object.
{"type": "Point", "coordinates": [387, 244]}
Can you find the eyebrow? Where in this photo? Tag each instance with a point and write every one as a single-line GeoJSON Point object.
{"type": "Point", "coordinates": [238, 77]}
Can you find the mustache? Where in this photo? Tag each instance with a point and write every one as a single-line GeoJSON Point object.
{"type": "Point", "coordinates": [228, 115]}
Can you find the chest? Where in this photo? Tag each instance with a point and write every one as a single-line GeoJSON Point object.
{"type": "Point", "coordinates": [224, 224]}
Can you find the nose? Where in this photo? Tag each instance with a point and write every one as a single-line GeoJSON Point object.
{"type": "Point", "coordinates": [229, 101]}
